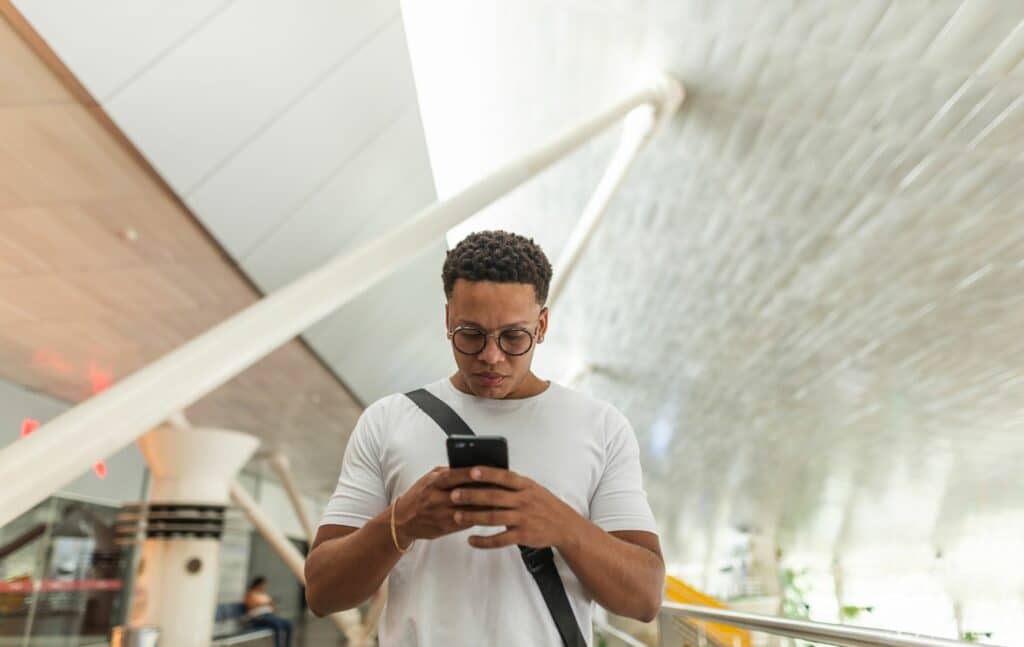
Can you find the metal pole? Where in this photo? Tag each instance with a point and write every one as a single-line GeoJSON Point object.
{"type": "Point", "coordinates": [70, 444]}
{"type": "Point", "coordinates": [636, 132]}
{"type": "Point", "coordinates": [280, 464]}
{"type": "Point", "coordinates": [347, 621]}
{"type": "Point", "coordinates": [357, 634]}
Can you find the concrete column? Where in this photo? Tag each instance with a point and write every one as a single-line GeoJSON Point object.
{"type": "Point", "coordinates": [176, 586]}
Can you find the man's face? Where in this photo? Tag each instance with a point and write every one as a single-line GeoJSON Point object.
{"type": "Point", "coordinates": [494, 307]}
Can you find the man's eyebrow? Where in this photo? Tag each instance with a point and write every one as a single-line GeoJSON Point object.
{"type": "Point", "coordinates": [467, 322]}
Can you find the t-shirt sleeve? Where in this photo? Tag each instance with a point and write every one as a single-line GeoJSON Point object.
{"type": "Point", "coordinates": [619, 501]}
{"type": "Point", "coordinates": [360, 495]}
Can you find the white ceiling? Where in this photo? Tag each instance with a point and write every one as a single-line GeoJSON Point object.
{"type": "Point", "coordinates": [292, 132]}
{"type": "Point", "coordinates": [809, 295]}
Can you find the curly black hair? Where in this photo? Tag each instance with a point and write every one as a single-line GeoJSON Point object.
{"type": "Point", "coordinates": [499, 256]}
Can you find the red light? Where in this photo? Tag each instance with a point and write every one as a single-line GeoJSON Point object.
{"type": "Point", "coordinates": [28, 425]}
{"type": "Point", "coordinates": [100, 379]}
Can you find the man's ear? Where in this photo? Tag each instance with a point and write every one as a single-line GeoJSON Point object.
{"type": "Point", "coordinates": [542, 327]}
{"type": "Point", "coordinates": [446, 326]}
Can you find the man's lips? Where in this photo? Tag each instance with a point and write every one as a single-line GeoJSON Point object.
{"type": "Point", "coordinates": [489, 379]}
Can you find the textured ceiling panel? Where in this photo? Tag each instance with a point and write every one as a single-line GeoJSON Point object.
{"type": "Point", "coordinates": [809, 295]}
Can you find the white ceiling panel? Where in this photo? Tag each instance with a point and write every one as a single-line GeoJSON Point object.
{"type": "Point", "coordinates": [352, 207]}
{"type": "Point", "coordinates": [113, 41]}
{"type": "Point", "coordinates": [313, 143]}
{"type": "Point", "coordinates": [377, 343]}
{"type": "Point", "coordinates": [197, 106]}
{"type": "Point", "coordinates": [380, 346]}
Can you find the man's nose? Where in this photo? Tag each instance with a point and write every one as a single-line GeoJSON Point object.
{"type": "Point", "coordinates": [492, 353]}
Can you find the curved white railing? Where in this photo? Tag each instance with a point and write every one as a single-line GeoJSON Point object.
{"type": "Point", "coordinates": [618, 635]}
{"type": "Point", "coordinates": [818, 632]}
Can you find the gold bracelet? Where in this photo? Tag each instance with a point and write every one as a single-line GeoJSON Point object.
{"type": "Point", "coordinates": [394, 533]}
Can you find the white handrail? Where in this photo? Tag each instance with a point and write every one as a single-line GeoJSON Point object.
{"type": "Point", "coordinates": [822, 632]}
{"type": "Point", "coordinates": [35, 467]}
{"type": "Point", "coordinates": [620, 635]}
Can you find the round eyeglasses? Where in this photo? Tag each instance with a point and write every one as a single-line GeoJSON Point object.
{"type": "Point", "coordinates": [470, 340]}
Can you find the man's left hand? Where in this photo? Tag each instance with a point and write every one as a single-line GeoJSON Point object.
{"type": "Point", "coordinates": [532, 515]}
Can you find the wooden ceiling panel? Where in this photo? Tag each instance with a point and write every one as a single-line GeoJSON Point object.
{"type": "Point", "coordinates": [16, 259]}
{"type": "Point", "coordinates": [11, 313]}
{"type": "Point", "coordinates": [24, 79]}
{"type": "Point", "coordinates": [58, 153]}
{"type": "Point", "coordinates": [66, 237]}
{"type": "Point", "coordinates": [48, 297]}
{"type": "Point", "coordinates": [103, 271]}
{"type": "Point", "coordinates": [139, 289]}
{"type": "Point", "coordinates": [199, 281]}
{"type": "Point", "coordinates": [155, 229]}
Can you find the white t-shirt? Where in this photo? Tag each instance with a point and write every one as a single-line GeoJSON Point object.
{"type": "Point", "coordinates": [446, 593]}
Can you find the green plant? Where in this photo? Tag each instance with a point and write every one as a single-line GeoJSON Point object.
{"type": "Point", "coordinates": [976, 636]}
{"type": "Point", "coordinates": [850, 612]}
{"type": "Point", "coordinates": [794, 597]}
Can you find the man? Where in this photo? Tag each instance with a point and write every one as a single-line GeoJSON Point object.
{"type": "Point", "coordinates": [456, 576]}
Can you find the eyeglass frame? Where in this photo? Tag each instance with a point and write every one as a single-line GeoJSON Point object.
{"type": "Point", "coordinates": [497, 338]}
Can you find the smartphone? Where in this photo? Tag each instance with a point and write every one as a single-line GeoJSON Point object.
{"type": "Point", "coordinates": [471, 451]}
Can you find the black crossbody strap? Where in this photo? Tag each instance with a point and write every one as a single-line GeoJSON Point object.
{"type": "Point", "coordinates": [442, 414]}
{"type": "Point", "coordinates": [539, 561]}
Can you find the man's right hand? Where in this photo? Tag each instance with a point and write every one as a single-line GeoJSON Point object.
{"type": "Point", "coordinates": [426, 510]}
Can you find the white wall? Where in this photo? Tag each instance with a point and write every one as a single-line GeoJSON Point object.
{"type": "Point", "coordinates": [125, 470]}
